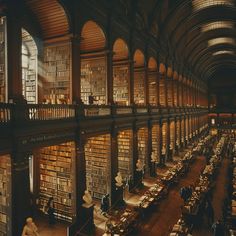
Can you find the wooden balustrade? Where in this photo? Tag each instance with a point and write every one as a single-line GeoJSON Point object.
{"type": "Point", "coordinates": [5, 113]}
{"type": "Point", "coordinates": [45, 112]}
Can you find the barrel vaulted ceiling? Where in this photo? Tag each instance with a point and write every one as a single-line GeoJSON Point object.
{"type": "Point", "coordinates": [199, 34]}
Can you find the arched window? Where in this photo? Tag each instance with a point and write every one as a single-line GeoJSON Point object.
{"type": "Point", "coordinates": [120, 72]}
{"type": "Point", "coordinates": [29, 59]}
{"type": "Point", "coordinates": [93, 64]}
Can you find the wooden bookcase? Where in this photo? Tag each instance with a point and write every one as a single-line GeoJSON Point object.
{"type": "Point", "coordinates": [152, 88]}
{"type": "Point", "coordinates": [175, 87]}
{"type": "Point", "coordinates": [172, 135]}
{"type": "Point", "coordinates": [5, 196]}
{"type": "Point", "coordinates": [97, 156]}
{"type": "Point", "coordinates": [57, 69]}
{"type": "Point", "coordinates": [94, 79]}
{"type": "Point", "coordinates": [29, 68]}
{"type": "Point", "coordinates": [121, 84]}
{"type": "Point", "coordinates": [139, 87]}
{"type": "Point", "coordinates": [186, 129]}
{"type": "Point", "coordinates": [178, 134]}
{"type": "Point", "coordinates": [164, 138]}
{"type": "Point", "coordinates": [125, 152]}
{"type": "Point", "coordinates": [162, 91]}
{"type": "Point", "coordinates": [143, 146]}
{"type": "Point", "coordinates": [182, 130]}
{"type": "Point", "coordinates": [57, 178]}
{"type": "Point", "coordinates": [3, 44]}
{"type": "Point", "coordinates": [169, 92]}
{"type": "Point", "coordinates": [156, 142]}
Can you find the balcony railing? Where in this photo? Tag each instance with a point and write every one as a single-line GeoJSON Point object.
{"type": "Point", "coordinates": [5, 113]}
{"type": "Point", "coordinates": [46, 112]}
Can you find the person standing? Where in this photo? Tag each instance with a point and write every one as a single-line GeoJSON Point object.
{"type": "Point", "coordinates": [218, 228]}
{"type": "Point", "coordinates": [51, 211]}
{"type": "Point", "coordinates": [209, 213]}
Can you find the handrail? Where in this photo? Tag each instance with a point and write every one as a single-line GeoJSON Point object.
{"type": "Point", "coordinates": [44, 112]}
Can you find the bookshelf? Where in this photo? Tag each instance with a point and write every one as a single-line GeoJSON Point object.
{"type": "Point", "coordinates": [186, 129]}
{"type": "Point", "coordinates": [5, 196]}
{"type": "Point", "coordinates": [57, 72]}
{"type": "Point", "coordinates": [178, 134]}
{"type": "Point", "coordinates": [182, 130]}
{"type": "Point", "coordinates": [94, 79]}
{"type": "Point", "coordinates": [164, 138]}
{"type": "Point", "coordinates": [97, 156]}
{"type": "Point", "coordinates": [156, 142]}
{"type": "Point", "coordinates": [121, 84]}
{"type": "Point", "coordinates": [125, 153]}
{"type": "Point", "coordinates": [162, 91]}
{"type": "Point", "coordinates": [3, 44]}
{"type": "Point", "coordinates": [29, 68]}
{"type": "Point", "coordinates": [152, 87]}
{"type": "Point", "coordinates": [169, 93]}
{"type": "Point", "coordinates": [172, 135]}
{"type": "Point", "coordinates": [175, 93]}
{"type": "Point", "coordinates": [56, 178]}
{"type": "Point", "coordinates": [190, 127]}
{"type": "Point", "coordinates": [139, 87]}
{"type": "Point", "coordinates": [143, 146]}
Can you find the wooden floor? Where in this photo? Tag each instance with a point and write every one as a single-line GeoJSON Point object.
{"type": "Point", "coordinates": [166, 214]}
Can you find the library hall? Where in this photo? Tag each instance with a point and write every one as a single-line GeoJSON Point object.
{"type": "Point", "coordinates": [117, 117]}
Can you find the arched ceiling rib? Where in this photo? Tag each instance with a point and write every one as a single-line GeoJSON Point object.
{"type": "Point", "coordinates": [190, 32]}
{"type": "Point", "coordinates": [51, 17]}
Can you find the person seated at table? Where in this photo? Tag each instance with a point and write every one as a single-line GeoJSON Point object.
{"type": "Point", "coordinates": [119, 180]}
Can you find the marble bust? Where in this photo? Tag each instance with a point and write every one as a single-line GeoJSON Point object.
{"type": "Point", "coordinates": [153, 158]}
{"type": "Point", "coordinates": [119, 180]}
{"type": "Point", "coordinates": [88, 201]}
{"type": "Point", "coordinates": [139, 165]}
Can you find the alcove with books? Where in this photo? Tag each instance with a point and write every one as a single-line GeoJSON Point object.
{"type": "Point", "coordinates": [121, 73]}
{"type": "Point", "coordinates": [93, 77]}
{"type": "Point", "coordinates": [97, 157]}
{"type": "Point", "coordinates": [139, 78]}
{"type": "Point", "coordinates": [152, 81]}
{"type": "Point", "coordinates": [56, 178]}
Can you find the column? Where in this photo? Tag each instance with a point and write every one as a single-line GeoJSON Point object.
{"type": "Point", "coordinates": [80, 177]}
{"type": "Point", "coordinates": [168, 150]}
{"type": "Point", "coordinates": [20, 191]}
{"type": "Point", "coordinates": [14, 53]}
{"type": "Point", "coordinates": [135, 153]}
{"type": "Point", "coordinates": [116, 194]}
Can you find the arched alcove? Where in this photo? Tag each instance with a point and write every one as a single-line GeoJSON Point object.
{"type": "Point", "coordinates": [139, 76]}
{"type": "Point", "coordinates": [152, 81]}
{"type": "Point", "coordinates": [29, 66]}
{"type": "Point", "coordinates": [93, 64]}
{"type": "Point", "coordinates": [162, 85]}
{"type": "Point", "coordinates": [121, 72]}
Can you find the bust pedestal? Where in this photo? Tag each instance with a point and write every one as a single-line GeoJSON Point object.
{"type": "Point", "coordinates": [139, 178]}
{"type": "Point", "coordinates": [170, 155]}
{"type": "Point", "coordinates": [87, 212]}
{"type": "Point", "coordinates": [163, 159]}
{"type": "Point", "coordinates": [153, 169]}
{"type": "Point", "coordinates": [119, 195]}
